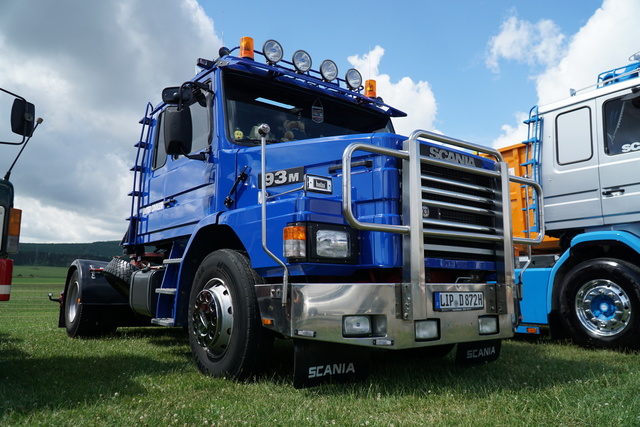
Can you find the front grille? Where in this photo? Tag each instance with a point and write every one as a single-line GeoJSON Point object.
{"type": "Point", "coordinates": [460, 202]}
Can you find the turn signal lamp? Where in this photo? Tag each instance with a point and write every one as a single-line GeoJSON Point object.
{"type": "Point", "coordinates": [272, 51]}
{"type": "Point", "coordinates": [13, 232]}
{"type": "Point", "coordinates": [295, 241]}
{"type": "Point", "coordinates": [370, 88]}
{"type": "Point", "coordinates": [302, 61]}
{"type": "Point", "coordinates": [246, 47]}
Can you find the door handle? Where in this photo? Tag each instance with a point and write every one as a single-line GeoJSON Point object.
{"type": "Point", "coordinates": [611, 192]}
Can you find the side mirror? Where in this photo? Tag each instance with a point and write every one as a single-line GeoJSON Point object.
{"type": "Point", "coordinates": [634, 97]}
{"type": "Point", "coordinates": [178, 132]}
{"type": "Point", "coordinates": [177, 95]}
{"type": "Point", "coordinates": [22, 117]}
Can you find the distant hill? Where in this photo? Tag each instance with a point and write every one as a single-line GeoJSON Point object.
{"type": "Point", "coordinates": [62, 254]}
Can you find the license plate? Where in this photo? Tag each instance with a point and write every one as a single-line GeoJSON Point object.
{"type": "Point", "coordinates": [448, 301]}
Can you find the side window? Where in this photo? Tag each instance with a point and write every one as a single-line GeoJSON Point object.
{"type": "Point", "coordinates": [201, 119]}
{"type": "Point", "coordinates": [574, 142]}
{"type": "Point", "coordinates": [201, 123]}
{"type": "Point", "coordinates": [621, 126]}
{"type": "Point", "coordinates": [159, 153]}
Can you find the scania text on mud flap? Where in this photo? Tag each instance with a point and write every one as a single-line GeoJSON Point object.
{"type": "Point", "coordinates": [583, 281]}
{"type": "Point", "coordinates": [272, 200]}
{"type": "Point", "coordinates": [23, 124]}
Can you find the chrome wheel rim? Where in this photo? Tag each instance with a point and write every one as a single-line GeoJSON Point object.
{"type": "Point", "coordinates": [603, 308]}
{"type": "Point", "coordinates": [72, 296]}
{"type": "Point", "coordinates": [213, 318]}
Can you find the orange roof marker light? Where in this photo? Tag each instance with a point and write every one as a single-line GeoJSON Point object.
{"type": "Point", "coordinates": [246, 47]}
{"type": "Point", "coordinates": [370, 88]}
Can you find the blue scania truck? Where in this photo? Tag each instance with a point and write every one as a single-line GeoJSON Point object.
{"type": "Point", "coordinates": [271, 200]}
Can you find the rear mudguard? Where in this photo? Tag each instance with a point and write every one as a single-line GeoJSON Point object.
{"type": "Point", "coordinates": [94, 288]}
{"type": "Point", "coordinates": [96, 291]}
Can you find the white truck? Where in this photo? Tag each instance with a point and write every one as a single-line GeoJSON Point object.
{"type": "Point", "coordinates": [584, 281]}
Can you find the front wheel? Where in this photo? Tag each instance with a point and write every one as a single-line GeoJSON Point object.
{"type": "Point", "coordinates": [225, 331]}
{"type": "Point", "coordinates": [600, 304]}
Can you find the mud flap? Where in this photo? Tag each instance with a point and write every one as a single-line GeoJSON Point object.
{"type": "Point", "coordinates": [318, 363]}
{"type": "Point", "coordinates": [474, 353]}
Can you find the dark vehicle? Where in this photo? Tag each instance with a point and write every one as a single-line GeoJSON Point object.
{"type": "Point", "coordinates": [23, 123]}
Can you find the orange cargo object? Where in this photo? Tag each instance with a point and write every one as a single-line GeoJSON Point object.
{"type": "Point", "coordinates": [515, 156]}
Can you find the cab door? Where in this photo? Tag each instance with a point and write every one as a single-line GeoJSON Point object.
{"type": "Point", "coordinates": [619, 138]}
{"type": "Point", "coordinates": [180, 188]}
{"type": "Point", "coordinates": [570, 174]}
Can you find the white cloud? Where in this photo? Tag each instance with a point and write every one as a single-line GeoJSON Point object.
{"type": "Point", "coordinates": [526, 42]}
{"type": "Point", "coordinates": [415, 99]}
{"type": "Point", "coordinates": [90, 68]}
{"type": "Point", "coordinates": [512, 134]}
{"type": "Point", "coordinates": [604, 42]}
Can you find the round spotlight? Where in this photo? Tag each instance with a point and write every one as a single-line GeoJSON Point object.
{"type": "Point", "coordinates": [272, 51]}
{"type": "Point", "coordinates": [328, 70]}
{"type": "Point", "coordinates": [353, 78]}
{"type": "Point", "coordinates": [302, 61]}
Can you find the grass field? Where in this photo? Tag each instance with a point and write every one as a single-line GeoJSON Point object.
{"type": "Point", "coordinates": [144, 376]}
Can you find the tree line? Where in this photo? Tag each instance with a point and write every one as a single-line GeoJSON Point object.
{"type": "Point", "coordinates": [63, 254]}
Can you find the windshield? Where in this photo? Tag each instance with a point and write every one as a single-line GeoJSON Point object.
{"type": "Point", "coordinates": [291, 113]}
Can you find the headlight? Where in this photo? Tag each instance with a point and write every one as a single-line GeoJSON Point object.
{"type": "Point", "coordinates": [302, 61]}
{"type": "Point", "coordinates": [353, 78]}
{"type": "Point", "coordinates": [332, 244]}
{"type": "Point", "coordinates": [315, 242]}
{"type": "Point", "coordinates": [272, 50]}
{"type": "Point", "coordinates": [328, 70]}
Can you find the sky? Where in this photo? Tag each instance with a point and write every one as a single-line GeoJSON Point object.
{"type": "Point", "coordinates": [470, 69]}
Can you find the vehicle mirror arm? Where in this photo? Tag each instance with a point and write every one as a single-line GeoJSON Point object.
{"type": "Point", "coordinates": [8, 174]}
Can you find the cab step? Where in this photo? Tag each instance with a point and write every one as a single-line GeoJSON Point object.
{"type": "Point", "coordinates": [163, 321]}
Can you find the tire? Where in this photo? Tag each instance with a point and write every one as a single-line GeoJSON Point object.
{"type": "Point", "coordinates": [118, 273]}
{"type": "Point", "coordinates": [225, 331]}
{"type": "Point", "coordinates": [80, 320]}
{"type": "Point", "coordinates": [599, 304]}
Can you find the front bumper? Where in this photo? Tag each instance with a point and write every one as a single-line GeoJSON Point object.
{"type": "Point", "coordinates": [316, 312]}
